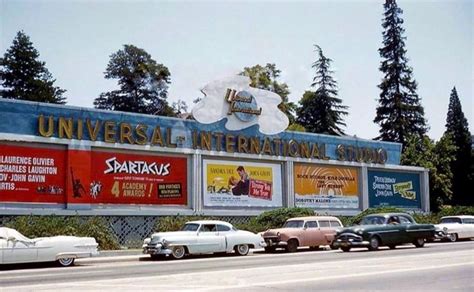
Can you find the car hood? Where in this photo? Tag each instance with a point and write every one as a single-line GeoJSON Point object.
{"type": "Point", "coordinates": [172, 234]}
{"type": "Point", "coordinates": [274, 232]}
{"type": "Point", "coordinates": [448, 226]}
{"type": "Point", "coordinates": [363, 228]}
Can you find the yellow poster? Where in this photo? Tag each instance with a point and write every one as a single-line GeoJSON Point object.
{"type": "Point", "coordinates": [326, 186]}
{"type": "Point", "coordinates": [223, 178]}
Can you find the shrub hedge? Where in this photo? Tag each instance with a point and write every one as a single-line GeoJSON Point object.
{"type": "Point", "coordinates": [52, 225]}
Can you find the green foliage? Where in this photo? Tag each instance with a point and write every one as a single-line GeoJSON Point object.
{"type": "Point", "coordinates": [24, 77]}
{"type": "Point", "coordinates": [295, 127]}
{"type": "Point", "coordinates": [52, 225]}
{"type": "Point", "coordinates": [399, 112]}
{"type": "Point", "coordinates": [143, 84]}
{"type": "Point", "coordinates": [321, 111]}
{"type": "Point", "coordinates": [436, 157]}
{"type": "Point", "coordinates": [458, 127]}
{"type": "Point", "coordinates": [267, 78]}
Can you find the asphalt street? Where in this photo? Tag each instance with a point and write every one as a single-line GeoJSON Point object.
{"type": "Point", "coordinates": [436, 267]}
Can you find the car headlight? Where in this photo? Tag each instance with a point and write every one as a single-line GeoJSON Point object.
{"type": "Point", "coordinates": [147, 241]}
{"type": "Point", "coordinates": [359, 231]}
{"type": "Point", "coordinates": [445, 229]}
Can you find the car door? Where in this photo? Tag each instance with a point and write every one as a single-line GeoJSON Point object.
{"type": "Point", "coordinates": [327, 232]}
{"type": "Point", "coordinates": [311, 235]}
{"type": "Point", "coordinates": [468, 227]}
{"type": "Point", "coordinates": [16, 251]}
{"type": "Point", "coordinates": [393, 232]}
{"type": "Point", "coordinates": [226, 237]}
{"type": "Point", "coordinates": [3, 244]}
{"type": "Point", "coordinates": [208, 239]}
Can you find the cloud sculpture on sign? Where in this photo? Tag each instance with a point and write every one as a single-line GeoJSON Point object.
{"type": "Point", "coordinates": [242, 105]}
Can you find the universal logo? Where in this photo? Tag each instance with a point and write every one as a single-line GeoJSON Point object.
{"type": "Point", "coordinates": [243, 105]}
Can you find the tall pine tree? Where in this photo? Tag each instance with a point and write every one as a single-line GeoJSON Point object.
{"type": "Point", "coordinates": [457, 126]}
{"type": "Point", "coordinates": [143, 84]}
{"type": "Point", "coordinates": [24, 77]}
{"type": "Point", "coordinates": [321, 111]}
{"type": "Point", "coordinates": [399, 112]}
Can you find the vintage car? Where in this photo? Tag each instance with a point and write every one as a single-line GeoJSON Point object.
{"type": "Point", "coordinates": [202, 237]}
{"type": "Point", "coordinates": [384, 230]}
{"type": "Point", "coordinates": [16, 248]}
{"type": "Point", "coordinates": [311, 231]}
{"type": "Point", "coordinates": [457, 227]}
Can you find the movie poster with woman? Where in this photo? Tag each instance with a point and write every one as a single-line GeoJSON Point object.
{"type": "Point", "coordinates": [241, 184]}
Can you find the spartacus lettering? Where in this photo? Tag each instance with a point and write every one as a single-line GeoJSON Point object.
{"type": "Point", "coordinates": [234, 158]}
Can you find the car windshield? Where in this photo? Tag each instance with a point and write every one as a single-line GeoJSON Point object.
{"type": "Point", "coordinates": [8, 232]}
{"type": "Point", "coordinates": [294, 224]}
{"type": "Point", "coordinates": [450, 220]}
{"type": "Point", "coordinates": [373, 220]}
{"type": "Point", "coordinates": [190, 227]}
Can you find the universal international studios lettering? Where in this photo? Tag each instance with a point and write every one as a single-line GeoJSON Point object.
{"type": "Point", "coordinates": [141, 134]}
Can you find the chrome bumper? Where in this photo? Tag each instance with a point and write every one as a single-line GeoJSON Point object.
{"type": "Point", "coordinates": [155, 249]}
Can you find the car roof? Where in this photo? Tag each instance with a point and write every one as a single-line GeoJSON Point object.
{"type": "Point", "coordinates": [389, 214]}
{"type": "Point", "coordinates": [459, 216]}
{"type": "Point", "coordinates": [210, 222]}
{"type": "Point", "coordinates": [315, 218]}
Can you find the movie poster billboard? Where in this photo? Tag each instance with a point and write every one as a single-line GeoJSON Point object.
{"type": "Point", "coordinates": [241, 184]}
{"type": "Point", "coordinates": [32, 174]}
{"type": "Point", "coordinates": [394, 189]}
{"type": "Point", "coordinates": [124, 178]}
{"type": "Point", "coordinates": [328, 187]}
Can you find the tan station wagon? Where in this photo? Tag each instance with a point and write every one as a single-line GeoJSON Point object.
{"type": "Point", "coordinates": [311, 231]}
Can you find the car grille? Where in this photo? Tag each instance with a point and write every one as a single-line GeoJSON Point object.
{"type": "Point", "coordinates": [349, 237]}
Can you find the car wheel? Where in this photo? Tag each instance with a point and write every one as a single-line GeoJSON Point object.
{"type": "Point", "coordinates": [66, 262]}
{"type": "Point", "coordinates": [292, 245]}
{"type": "Point", "coordinates": [374, 243]}
{"type": "Point", "coordinates": [333, 247]}
{"type": "Point", "coordinates": [453, 237]}
{"type": "Point", "coordinates": [345, 248]}
{"type": "Point", "coordinates": [178, 252]}
{"type": "Point", "coordinates": [419, 242]}
{"type": "Point", "coordinates": [392, 246]}
{"type": "Point", "coordinates": [270, 249]}
{"type": "Point", "coordinates": [242, 249]}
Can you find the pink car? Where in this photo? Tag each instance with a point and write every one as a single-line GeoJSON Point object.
{"type": "Point", "coordinates": [311, 231]}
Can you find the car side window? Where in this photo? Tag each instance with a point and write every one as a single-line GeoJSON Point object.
{"type": "Point", "coordinates": [208, 228]}
{"type": "Point", "coordinates": [324, 223]}
{"type": "Point", "coordinates": [311, 224]}
{"type": "Point", "coordinates": [222, 228]}
{"type": "Point", "coordinates": [335, 223]}
{"type": "Point", "coordinates": [468, 221]}
{"type": "Point", "coordinates": [404, 220]}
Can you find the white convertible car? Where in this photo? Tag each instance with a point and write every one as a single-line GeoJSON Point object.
{"type": "Point", "coordinates": [16, 248]}
{"type": "Point", "coordinates": [202, 237]}
{"type": "Point", "coordinates": [457, 227]}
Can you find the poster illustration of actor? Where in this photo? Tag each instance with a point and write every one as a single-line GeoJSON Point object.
{"type": "Point", "coordinates": [240, 187]}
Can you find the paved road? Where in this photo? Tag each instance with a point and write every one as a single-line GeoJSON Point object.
{"type": "Point", "coordinates": [437, 267]}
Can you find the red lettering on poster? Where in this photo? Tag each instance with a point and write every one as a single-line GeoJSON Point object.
{"type": "Point", "coordinates": [260, 189]}
{"type": "Point", "coordinates": [30, 174]}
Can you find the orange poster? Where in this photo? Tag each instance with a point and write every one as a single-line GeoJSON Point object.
{"type": "Point", "coordinates": [326, 186]}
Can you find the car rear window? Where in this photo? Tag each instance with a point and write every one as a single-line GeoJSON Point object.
{"type": "Point", "coordinates": [324, 223]}
{"type": "Point", "coordinates": [223, 228]}
{"type": "Point", "coordinates": [335, 223]}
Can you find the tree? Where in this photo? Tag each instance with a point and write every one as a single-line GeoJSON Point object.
{"type": "Point", "coordinates": [321, 111]}
{"type": "Point", "coordinates": [267, 78]}
{"type": "Point", "coordinates": [179, 107]}
{"type": "Point", "coordinates": [143, 84]}
{"type": "Point", "coordinates": [24, 77]}
{"type": "Point", "coordinates": [457, 126]}
{"type": "Point", "coordinates": [399, 112]}
{"type": "Point", "coordinates": [436, 157]}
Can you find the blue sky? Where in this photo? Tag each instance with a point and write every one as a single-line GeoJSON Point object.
{"type": "Point", "coordinates": [200, 41]}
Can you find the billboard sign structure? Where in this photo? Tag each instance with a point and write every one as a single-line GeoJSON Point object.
{"type": "Point", "coordinates": [241, 184]}
{"type": "Point", "coordinates": [32, 174]}
{"type": "Point", "coordinates": [394, 189]}
{"type": "Point", "coordinates": [328, 187]}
